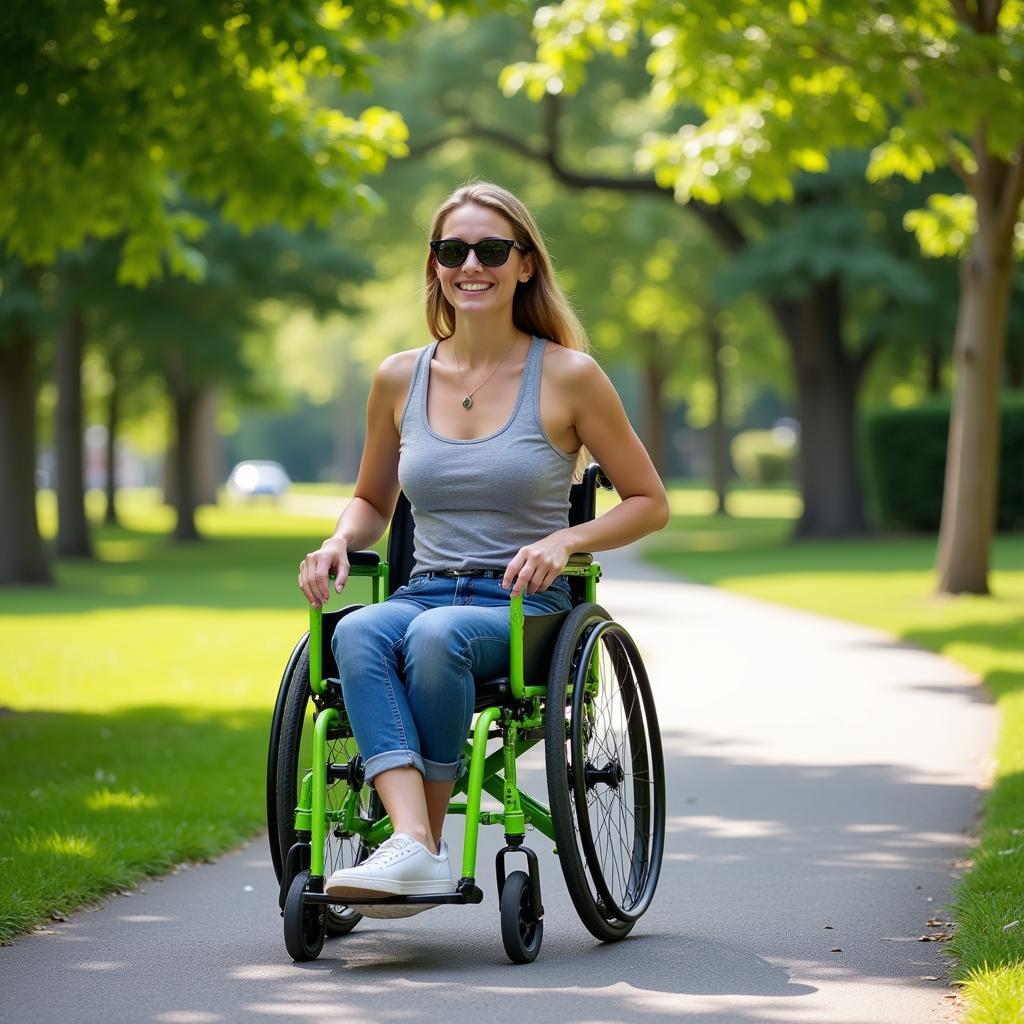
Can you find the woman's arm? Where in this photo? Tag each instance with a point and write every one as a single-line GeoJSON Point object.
{"type": "Point", "coordinates": [366, 516]}
{"type": "Point", "coordinates": [602, 425]}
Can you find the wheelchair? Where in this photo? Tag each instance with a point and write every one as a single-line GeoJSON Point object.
{"type": "Point", "coordinates": [575, 682]}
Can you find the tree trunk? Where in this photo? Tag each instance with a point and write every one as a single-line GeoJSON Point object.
{"type": "Point", "coordinates": [113, 416]}
{"type": "Point", "coordinates": [184, 465]}
{"type": "Point", "coordinates": [73, 527]}
{"type": "Point", "coordinates": [206, 448]}
{"type": "Point", "coordinates": [22, 555]}
{"type": "Point", "coordinates": [972, 460]}
{"type": "Point", "coordinates": [654, 406]}
{"type": "Point", "coordinates": [1015, 371]}
{"type": "Point", "coordinates": [182, 475]}
{"type": "Point", "coordinates": [827, 379]}
{"type": "Point", "coordinates": [934, 356]}
{"type": "Point", "coordinates": [719, 435]}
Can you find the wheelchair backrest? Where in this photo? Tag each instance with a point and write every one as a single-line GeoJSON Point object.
{"type": "Point", "coordinates": [582, 508]}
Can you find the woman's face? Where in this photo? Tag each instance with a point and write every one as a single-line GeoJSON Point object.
{"type": "Point", "coordinates": [474, 288]}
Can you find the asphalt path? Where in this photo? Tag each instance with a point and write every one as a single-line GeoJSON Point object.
{"type": "Point", "coordinates": [823, 783]}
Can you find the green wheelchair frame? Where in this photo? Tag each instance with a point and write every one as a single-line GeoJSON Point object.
{"type": "Point", "coordinates": [594, 674]}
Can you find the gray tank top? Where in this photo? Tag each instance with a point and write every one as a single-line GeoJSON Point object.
{"type": "Point", "coordinates": [475, 503]}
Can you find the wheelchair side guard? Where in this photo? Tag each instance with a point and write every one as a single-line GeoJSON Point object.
{"type": "Point", "coordinates": [533, 868]}
{"type": "Point", "coordinates": [580, 565]}
{"type": "Point", "coordinates": [361, 563]}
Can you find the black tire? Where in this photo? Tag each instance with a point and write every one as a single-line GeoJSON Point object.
{"type": "Point", "coordinates": [277, 855]}
{"type": "Point", "coordinates": [304, 923]}
{"type": "Point", "coordinates": [292, 762]}
{"type": "Point", "coordinates": [605, 773]}
{"type": "Point", "coordinates": [521, 932]}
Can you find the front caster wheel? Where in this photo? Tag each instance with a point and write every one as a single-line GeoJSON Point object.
{"type": "Point", "coordinates": [521, 932]}
{"type": "Point", "coordinates": [304, 923]}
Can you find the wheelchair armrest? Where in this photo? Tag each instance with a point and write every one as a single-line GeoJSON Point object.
{"type": "Point", "coordinates": [363, 558]}
{"type": "Point", "coordinates": [580, 558]}
{"type": "Point", "coordinates": [362, 563]}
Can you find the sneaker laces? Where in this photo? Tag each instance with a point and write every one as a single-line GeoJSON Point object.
{"type": "Point", "coordinates": [390, 850]}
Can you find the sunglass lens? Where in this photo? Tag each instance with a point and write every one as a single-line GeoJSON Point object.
{"type": "Point", "coordinates": [452, 253]}
{"type": "Point", "coordinates": [493, 252]}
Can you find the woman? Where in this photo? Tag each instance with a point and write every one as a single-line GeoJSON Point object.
{"type": "Point", "coordinates": [482, 430]}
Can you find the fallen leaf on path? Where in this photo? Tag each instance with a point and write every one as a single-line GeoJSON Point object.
{"type": "Point", "coordinates": [929, 977]}
{"type": "Point", "coordinates": [936, 937]}
{"type": "Point", "coordinates": [836, 949]}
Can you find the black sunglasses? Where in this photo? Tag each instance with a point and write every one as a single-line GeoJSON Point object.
{"type": "Point", "coordinates": [491, 252]}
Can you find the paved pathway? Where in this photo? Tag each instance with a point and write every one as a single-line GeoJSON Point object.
{"type": "Point", "coordinates": [822, 780]}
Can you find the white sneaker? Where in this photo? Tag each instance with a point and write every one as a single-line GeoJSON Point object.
{"type": "Point", "coordinates": [400, 866]}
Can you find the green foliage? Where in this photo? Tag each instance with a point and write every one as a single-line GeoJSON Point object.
{"type": "Point", "coordinates": [111, 112]}
{"type": "Point", "coordinates": [784, 83]}
{"type": "Point", "coordinates": [639, 271]}
{"type": "Point", "coordinates": [763, 458]}
{"type": "Point", "coordinates": [905, 458]}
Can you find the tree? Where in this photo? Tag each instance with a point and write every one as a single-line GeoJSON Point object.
{"type": "Point", "coordinates": [781, 84]}
{"type": "Point", "coordinates": [204, 334]}
{"type": "Point", "coordinates": [22, 556]}
{"type": "Point", "coordinates": [111, 112]}
{"type": "Point", "coordinates": [586, 143]}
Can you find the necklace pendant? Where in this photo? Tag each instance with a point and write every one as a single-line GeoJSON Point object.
{"type": "Point", "coordinates": [467, 402]}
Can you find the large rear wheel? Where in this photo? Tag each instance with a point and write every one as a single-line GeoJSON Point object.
{"type": "Point", "coordinates": [605, 772]}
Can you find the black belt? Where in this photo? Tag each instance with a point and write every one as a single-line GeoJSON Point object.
{"type": "Point", "coordinates": [490, 574]}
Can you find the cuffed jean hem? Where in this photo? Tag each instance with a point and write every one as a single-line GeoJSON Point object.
{"type": "Point", "coordinates": [392, 759]}
{"type": "Point", "coordinates": [437, 771]}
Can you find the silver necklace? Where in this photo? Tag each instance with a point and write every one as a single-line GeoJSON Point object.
{"type": "Point", "coordinates": [467, 402]}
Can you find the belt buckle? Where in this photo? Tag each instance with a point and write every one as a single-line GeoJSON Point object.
{"type": "Point", "coordinates": [466, 572]}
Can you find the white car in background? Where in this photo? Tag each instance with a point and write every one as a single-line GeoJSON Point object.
{"type": "Point", "coordinates": [258, 479]}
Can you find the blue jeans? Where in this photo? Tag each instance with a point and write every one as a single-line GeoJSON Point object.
{"type": "Point", "coordinates": [408, 667]}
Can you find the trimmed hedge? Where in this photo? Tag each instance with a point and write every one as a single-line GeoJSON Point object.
{"type": "Point", "coordinates": [905, 462]}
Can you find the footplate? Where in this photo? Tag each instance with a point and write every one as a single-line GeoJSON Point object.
{"type": "Point", "coordinates": [466, 892]}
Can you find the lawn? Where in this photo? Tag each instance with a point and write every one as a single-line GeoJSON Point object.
{"type": "Point", "coordinates": [135, 702]}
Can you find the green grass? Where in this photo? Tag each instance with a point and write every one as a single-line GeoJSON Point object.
{"type": "Point", "coordinates": [889, 583]}
{"type": "Point", "coordinates": [135, 702]}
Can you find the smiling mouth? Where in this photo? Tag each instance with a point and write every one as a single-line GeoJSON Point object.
{"type": "Point", "coordinates": [467, 287]}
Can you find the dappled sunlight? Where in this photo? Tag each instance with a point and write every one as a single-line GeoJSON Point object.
{"type": "Point", "coordinates": [64, 845]}
{"type": "Point", "coordinates": [698, 500]}
{"type": "Point", "coordinates": [106, 799]}
{"type": "Point", "coordinates": [724, 828]}
{"type": "Point", "coordinates": [188, 1017]}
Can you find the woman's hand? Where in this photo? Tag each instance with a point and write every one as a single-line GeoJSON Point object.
{"type": "Point", "coordinates": [536, 566]}
{"type": "Point", "coordinates": [316, 566]}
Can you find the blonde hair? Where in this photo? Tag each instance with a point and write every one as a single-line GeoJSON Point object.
{"type": "Point", "coordinates": [539, 305]}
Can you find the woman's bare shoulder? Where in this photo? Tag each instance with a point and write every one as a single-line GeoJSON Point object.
{"type": "Point", "coordinates": [568, 367]}
{"type": "Point", "coordinates": [395, 372]}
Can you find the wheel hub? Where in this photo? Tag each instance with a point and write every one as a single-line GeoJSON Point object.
{"type": "Point", "coordinates": [611, 774]}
